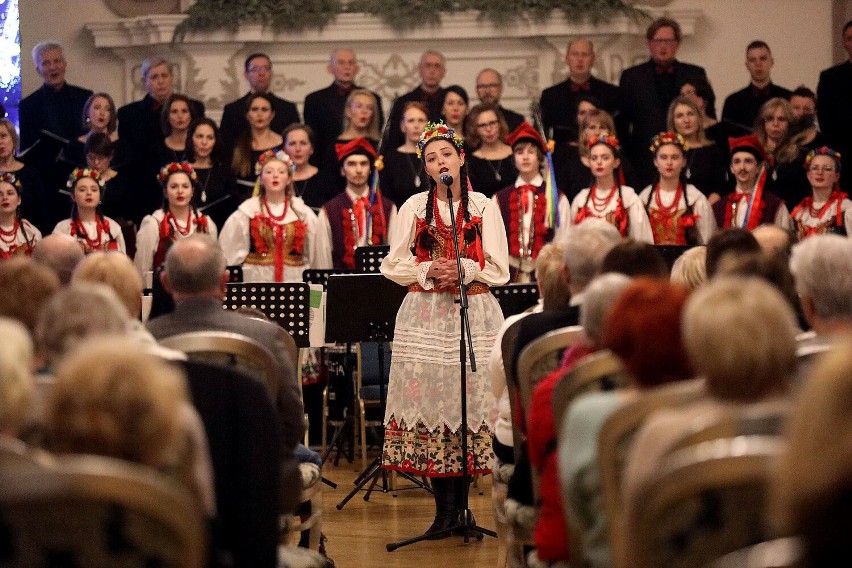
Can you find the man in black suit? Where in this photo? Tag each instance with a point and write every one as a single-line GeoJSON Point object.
{"type": "Point", "coordinates": [586, 245]}
{"type": "Point", "coordinates": [489, 89]}
{"type": "Point", "coordinates": [559, 102]}
{"type": "Point", "coordinates": [833, 109]}
{"type": "Point", "coordinates": [648, 89]}
{"type": "Point", "coordinates": [196, 277]}
{"type": "Point", "coordinates": [258, 73]}
{"type": "Point", "coordinates": [56, 107]}
{"type": "Point", "coordinates": [742, 106]}
{"type": "Point", "coordinates": [324, 108]}
{"type": "Point", "coordinates": [432, 69]}
{"type": "Point", "coordinates": [139, 121]}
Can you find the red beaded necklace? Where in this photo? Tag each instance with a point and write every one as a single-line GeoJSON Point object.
{"type": "Point", "coordinates": [185, 230]}
{"type": "Point", "coordinates": [599, 204]}
{"type": "Point", "coordinates": [668, 210]}
{"type": "Point", "coordinates": [9, 237]}
{"type": "Point", "coordinates": [276, 218]}
{"type": "Point", "coordinates": [78, 229]}
{"type": "Point", "coordinates": [444, 229]}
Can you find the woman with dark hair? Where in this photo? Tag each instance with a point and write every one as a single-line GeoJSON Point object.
{"type": "Point", "coordinates": [423, 416]}
{"type": "Point", "coordinates": [608, 198]}
{"type": "Point", "coordinates": [491, 165]}
{"type": "Point", "coordinates": [117, 198]}
{"type": "Point", "coordinates": [215, 194]}
{"type": "Point", "coordinates": [92, 229]}
{"type": "Point", "coordinates": [299, 145]}
{"type": "Point", "coordinates": [403, 174]}
{"type": "Point", "coordinates": [254, 141]}
{"type": "Point", "coordinates": [704, 163]}
{"type": "Point", "coordinates": [17, 235]}
{"type": "Point", "coordinates": [175, 119]}
{"type": "Point", "coordinates": [454, 108]}
{"type": "Point", "coordinates": [679, 214]}
{"type": "Point", "coordinates": [176, 219]}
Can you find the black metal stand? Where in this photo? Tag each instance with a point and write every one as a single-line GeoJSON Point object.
{"type": "Point", "coordinates": [466, 522]}
{"type": "Point", "coordinates": [355, 321]}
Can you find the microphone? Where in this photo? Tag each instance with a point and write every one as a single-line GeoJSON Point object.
{"type": "Point", "coordinates": [446, 179]}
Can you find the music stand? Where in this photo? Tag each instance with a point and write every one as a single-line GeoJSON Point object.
{"type": "Point", "coordinates": [350, 321]}
{"type": "Point", "coordinates": [369, 259]}
{"type": "Point", "coordinates": [286, 304]}
{"type": "Point", "coordinates": [318, 276]}
{"type": "Point", "coordinates": [515, 298]}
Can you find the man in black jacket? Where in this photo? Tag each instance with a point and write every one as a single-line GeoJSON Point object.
{"type": "Point", "coordinates": [742, 106]}
{"type": "Point", "coordinates": [432, 69]}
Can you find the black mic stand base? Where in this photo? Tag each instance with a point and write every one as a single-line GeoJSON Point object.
{"type": "Point", "coordinates": [465, 526]}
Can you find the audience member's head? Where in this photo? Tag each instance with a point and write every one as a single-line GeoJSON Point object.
{"type": "Point", "coordinates": [17, 387]}
{"type": "Point", "coordinates": [635, 258]}
{"type": "Point", "coordinates": [60, 253]}
{"type": "Point", "coordinates": [644, 329]}
{"type": "Point", "coordinates": [690, 268]}
{"type": "Point", "coordinates": [195, 266]}
{"type": "Point", "coordinates": [586, 245]}
{"type": "Point", "coordinates": [110, 399]}
{"type": "Point", "coordinates": [728, 241]}
{"type": "Point", "coordinates": [773, 240]}
{"type": "Point", "coordinates": [550, 277]}
{"type": "Point", "coordinates": [75, 313]}
{"type": "Point", "coordinates": [772, 269]}
{"type": "Point", "coordinates": [740, 334]}
{"type": "Point", "coordinates": [822, 269]}
{"type": "Point", "coordinates": [811, 489]}
{"type": "Point", "coordinates": [803, 101]}
{"type": "Point", "coordinates": [118, 272]}
{"type": "Point", "coordinates": [25, 287]}
{"type": "Point", "coordinates": [599, 297]}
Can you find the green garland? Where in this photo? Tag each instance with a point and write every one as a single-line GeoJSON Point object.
{"type": "Point", "coordinates": [290, 16]}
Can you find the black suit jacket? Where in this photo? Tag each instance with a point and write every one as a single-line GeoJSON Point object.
{"type": "Point", "coordinates": [643, 110]}
{"type": "Point", "coordinates": [834, 110]}
{"type": "Point", "coordinates": [559, 106]}
{"type": "Point", "coordinates": [534, 326]}
{"type": "Point", "coordinates": [243, 437]}
{"type": "Point", "coordinates": [139, 125]}
{"type": "Point", "coordinates": [324, 114]}
{"type": "Point", "coordinates": [513, 119]}
{"type": "Point", "coordinates": [60, 112]}
{"type": "Point", "coordinates": [742, 107]}
{"type": "Point", "coordinates": [433, 102]}
{"type": "Point", "coordinates": [234, 119]}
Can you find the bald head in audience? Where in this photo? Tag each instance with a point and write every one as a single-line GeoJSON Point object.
{"type": "Point", "coordinates": [195, 266]}
{"type": "Point", "coordinates": [60, 253]}
{"type": "Point", "coordinates": [822, 269]}
{"type": "Point", "coordinates": [773, 239]}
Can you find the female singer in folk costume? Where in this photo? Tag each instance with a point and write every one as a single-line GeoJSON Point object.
{"type": "Point", "coordinates": [527, 209]}
{"type": "Point", "coordinates": [17, 236]}
{"type": "Point", "coordinates": [87, 224]}
{"type": "Point", "coordinates": [828, 210]}
{"type": "Point", "coordinates": [423, 417]}
{"type": "Point", "coordinates": [678, 212]}
{"type": "Point", "coordinates": [273, 234]}
{"type": "Point", "coordinates": [608, 199]}
{"type": "Point", "coordinates": [177, 219]}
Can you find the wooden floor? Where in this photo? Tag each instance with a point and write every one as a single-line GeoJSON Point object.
{"type": "Point", "coordinates": [357, 535]}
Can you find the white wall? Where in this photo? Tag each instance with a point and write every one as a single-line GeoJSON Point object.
{"type": "Point", "coordinates": [798, 31]}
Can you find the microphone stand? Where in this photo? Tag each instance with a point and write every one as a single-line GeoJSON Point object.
{"type": "Point", "coordinates": [466, 521]}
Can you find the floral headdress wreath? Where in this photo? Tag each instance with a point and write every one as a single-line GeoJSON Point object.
{"type": "Point", "coordinates": [439, 130]}
{"type": "Point", "coordinates": [10, 178]}
{"type": "Point", "coordinates": [606, 139]}
{"type": "Point", "coordinates": [664, 138]}
{"type": "Point", "coordinates": [823, 151]}
{"type": "Point", "coordinates": [279, 155]}
{"type": "Point", "coordinates": [80, 173]}
{"type": "Point", "coordinates": [175, 167]}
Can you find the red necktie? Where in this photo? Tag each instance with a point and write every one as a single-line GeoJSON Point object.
{"type": "Point", "coordinates": [527, 192]}
{"type": "Point", "coordinates": [361, 206]}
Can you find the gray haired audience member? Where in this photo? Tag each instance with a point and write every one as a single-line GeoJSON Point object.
{"type": "Point", "coordinates": [690, 268]}
{"type": "Point", "coordinates": [601, 294]}
{"type": "Point", "coordinates": [586, 246]}
{"type": "Point", "coordinates": [822, 268]}
{"type": "Point", "coordinates": [17, 386]}
{"type": "Point", "coordinates": [60, 253]}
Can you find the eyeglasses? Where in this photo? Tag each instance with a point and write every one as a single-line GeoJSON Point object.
{"type": "Point", "coordinates": [488, 124]}
{"type": "Point", "coordinates": [825, 169]}
{"type": "Point", "coordinates": [259, 68]}
{"type": "Point", "coordinates": [488, 86]}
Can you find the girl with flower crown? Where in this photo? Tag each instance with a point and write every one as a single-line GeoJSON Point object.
{"type": "Point", "coordinates": [273, 234]}
{"type": "Point", "coordinates": [607, 198]}
{"type": "Point", "coordinates": [678, 212]}
{"type": "Point", "coordinates": [17, 236]}
{"type": "Point", "coordinates": [177, 219]}
{"type": "Point", "coordinates": [87, 224]}
{"type": "Point", "coordinates": [423, 416]}
{"type": "Point", "coordinates": [524, 204]}
{"type": "Point", "coordinates": [827, 210]}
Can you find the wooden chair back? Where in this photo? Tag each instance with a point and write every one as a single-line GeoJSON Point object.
{"type": "Point", "coordinates": [507, 347]}
{"type": "Point", "coordinates": [614, 441]}
{"type": "Point", "coordinates": [97, 511]}
{"type": "Point", "coordinates": [784, 552]}
{"type": "Point", "coordinates": [542, 356]}
{"type": "Point", "coordinates": [230, 350]}
{"type": "Point", "coordinates": [706, 501]}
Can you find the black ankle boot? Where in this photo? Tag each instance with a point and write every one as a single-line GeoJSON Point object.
{"type": "Point", "coordinates": [445, 514]}
{"type": "Point", "coordinates": [459, 505]}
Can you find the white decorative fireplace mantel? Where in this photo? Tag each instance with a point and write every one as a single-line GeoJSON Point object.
{"type": "Point", "coordinates": [209, 66]}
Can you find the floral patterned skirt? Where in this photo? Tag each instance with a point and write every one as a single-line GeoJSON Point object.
{"type": "Point", "coordinates": [435, 453]}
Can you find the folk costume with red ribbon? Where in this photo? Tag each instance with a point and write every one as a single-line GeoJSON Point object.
{"type": "Point", "coordinates": [618, 206]}
{"type": "Point", "coordinates": [683, 217]}
{"type": "Point", "coordinates": [423, 417]}
{"type": "Point", "coordinates": [17, 236]}
{"type": "Point", "coordinates": [159, 230]}
{"type": "Point", "coordinates": [98, 234]}
{"type": "Point", "coordinates": [831, 216]}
